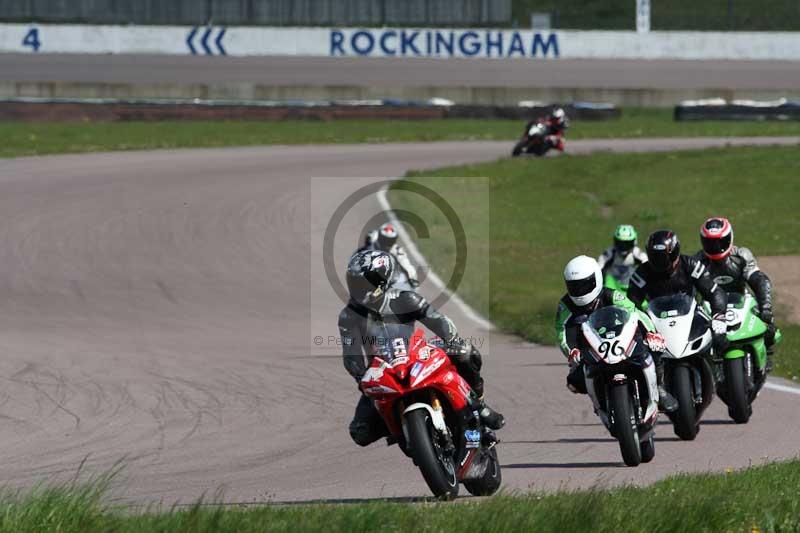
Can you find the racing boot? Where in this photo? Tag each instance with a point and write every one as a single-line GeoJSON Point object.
{"type": "Point", "coordinates": [666, 401]}
{"type": "Point", "coordinates": [576, 382]}
{"type": "Point", "coordinates": [490, 418]}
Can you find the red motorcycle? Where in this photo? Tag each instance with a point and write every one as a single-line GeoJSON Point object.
{"type": "Point", "coordinates": [431, 412]}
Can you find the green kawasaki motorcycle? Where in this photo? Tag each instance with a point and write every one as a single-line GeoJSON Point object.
{"type": "Point", "coordinates": [742, 369]}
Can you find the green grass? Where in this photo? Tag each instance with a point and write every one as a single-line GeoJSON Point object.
{"type": "Point", "coordinates": [545, 211]}
{"type": "Point", "coordinates": [763, 497]}
{"type": "Point", "coordinates": [787, 361]}
{"type": "Point", "coordinates": [21, 139]}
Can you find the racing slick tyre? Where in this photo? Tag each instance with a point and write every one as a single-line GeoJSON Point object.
{"type": "Point", "coordinates": [437, 466]}
{"type": "Point", "coordinates": [739, 407]}
{"type": "Point", "coordinates": [684, 420]}
{"type": "Point", "coordinates": [518, 148]}
{"type": "Point", "coordinates": [624, 424]}
{"type": "Point", "coordinates": [487, 484]}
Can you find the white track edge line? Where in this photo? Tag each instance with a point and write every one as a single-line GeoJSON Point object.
{"type": "Point", "coordinates": [420, 260]}
{"type": "Point", "coordinates": [781, 388]}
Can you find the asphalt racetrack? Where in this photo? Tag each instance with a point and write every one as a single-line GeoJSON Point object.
{"type": "Point", "coordinates": [158, 309]}
{"type": "Point", "coordinates": [409, 72]}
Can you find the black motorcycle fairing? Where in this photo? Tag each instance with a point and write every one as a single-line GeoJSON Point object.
{"type": "Point", "coordinates": [700, 324]}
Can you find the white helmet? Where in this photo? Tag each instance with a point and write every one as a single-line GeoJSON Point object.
{"type": "Point", "coordinates": [584, 280]}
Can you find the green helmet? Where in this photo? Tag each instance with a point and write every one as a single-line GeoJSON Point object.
{"type": "Point", "coordinates": [624, 239]}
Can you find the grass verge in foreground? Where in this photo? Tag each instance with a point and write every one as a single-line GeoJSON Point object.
{"type": "Point", "coordinates": [21, 139]}
{"type": "Point", "coordinates": [764, 497]}
{"type": "Point", "coordinates": [545, 211]}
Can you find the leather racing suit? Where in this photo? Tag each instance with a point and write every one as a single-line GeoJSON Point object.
{"type": "Point", "coordinates": [690, 276]}
{"type": "Point", "coordinates": [738, 272]}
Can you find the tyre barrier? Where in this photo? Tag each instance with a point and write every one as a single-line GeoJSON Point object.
{"type": "Point", "coordinates": [719, 109]}
{"type": "Point", "coordinates": [111, 110]}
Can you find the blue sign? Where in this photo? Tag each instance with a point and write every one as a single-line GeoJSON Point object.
{"type": "Point", "coordinates": [204, 44]}
{"type": "Point", "coordinates": [442, 43]}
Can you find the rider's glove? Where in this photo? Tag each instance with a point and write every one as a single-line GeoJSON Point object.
{"type": "Point", "coordinates": [766, 315]}
{"type": "Point", "coordinates": [458, 347]}
{"type": "Point", "coordinates": [718, 325]}
{"type": "Point", "coordinates": [656, 341]}
{"type": "Point", "coordinates": [574, 357]}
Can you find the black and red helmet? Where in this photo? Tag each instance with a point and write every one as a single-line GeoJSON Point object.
{"type": "Point", "coordinates": [716, 236]}
{"type": "Point", "coordinates": [663, 251]}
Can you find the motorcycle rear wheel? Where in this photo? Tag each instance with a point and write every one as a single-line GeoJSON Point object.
{"type": "Point", "coordinates": [625, 429]}
{"type": "Point", "coordinates": [438, 469]}
{"type": "Point", "coordinates": [684, 420]}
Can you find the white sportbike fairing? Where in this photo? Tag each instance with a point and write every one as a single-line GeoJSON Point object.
{"type": "Point", "coordinates": [683, 325]}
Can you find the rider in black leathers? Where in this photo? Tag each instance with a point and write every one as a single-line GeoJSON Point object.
{"type": "Point", "coordinates": [667, 272]}
{"type": "Point", "coordinates": [734, 269]}
{"type": "Point", "coordinates": [377, 318]}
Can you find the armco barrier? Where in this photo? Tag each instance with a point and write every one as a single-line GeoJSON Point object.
{"type": "Point", "coordinates": [396, 42]}
{"type": "Point", "coordinates": [108, 110]}
{"type": "Point", "coordinates": [719, 109]}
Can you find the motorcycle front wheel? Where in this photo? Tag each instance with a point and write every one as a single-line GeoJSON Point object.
{"type": "Point", "coordinates": [739, 407]}
{"type": "Point", "coordinates": [437, 467]}
{"type": "Point", "coordinates": [624, 423]}
{"type": "Point", "coordinates": [684, 420]}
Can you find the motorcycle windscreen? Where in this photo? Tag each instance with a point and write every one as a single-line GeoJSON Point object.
{"type": "Point", "coordinates": [670, 306]}
{"type": "Point", "coordinates": [609, 321]}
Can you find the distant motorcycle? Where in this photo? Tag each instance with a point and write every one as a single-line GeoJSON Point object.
{"type": "Point", "coordinates": [535, 140]}
{"type": "Point", "coordinates": [621, 381]}
{"type": "Point", "coordinates": [429, 410]}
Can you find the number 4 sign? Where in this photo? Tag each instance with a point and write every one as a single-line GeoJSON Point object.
{"type": "Point", "coordinates": [32, 39]}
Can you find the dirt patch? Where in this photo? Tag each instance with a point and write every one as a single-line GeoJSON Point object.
{"type": "Point", "coordinates": [784, 271]}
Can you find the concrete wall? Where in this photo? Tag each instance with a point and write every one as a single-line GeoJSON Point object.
{"type": "Point", "coordinates": [396, 42]}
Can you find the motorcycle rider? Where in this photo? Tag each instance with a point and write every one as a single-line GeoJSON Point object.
{"type": "Point", "coordinates": [625, 250]}
{"type": "Point", "coordinates": [586, 294]}
{"type": "Point", "coordinates": [377, 317]}
{"type": "Point", "coordinates": [734, 268]}
{"type": "Point", "coordinates": [556, 123]}
{"type": "Point", "coordinates": [385, 239]}
{"type": "Point", "coordinates": [667, 272]}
